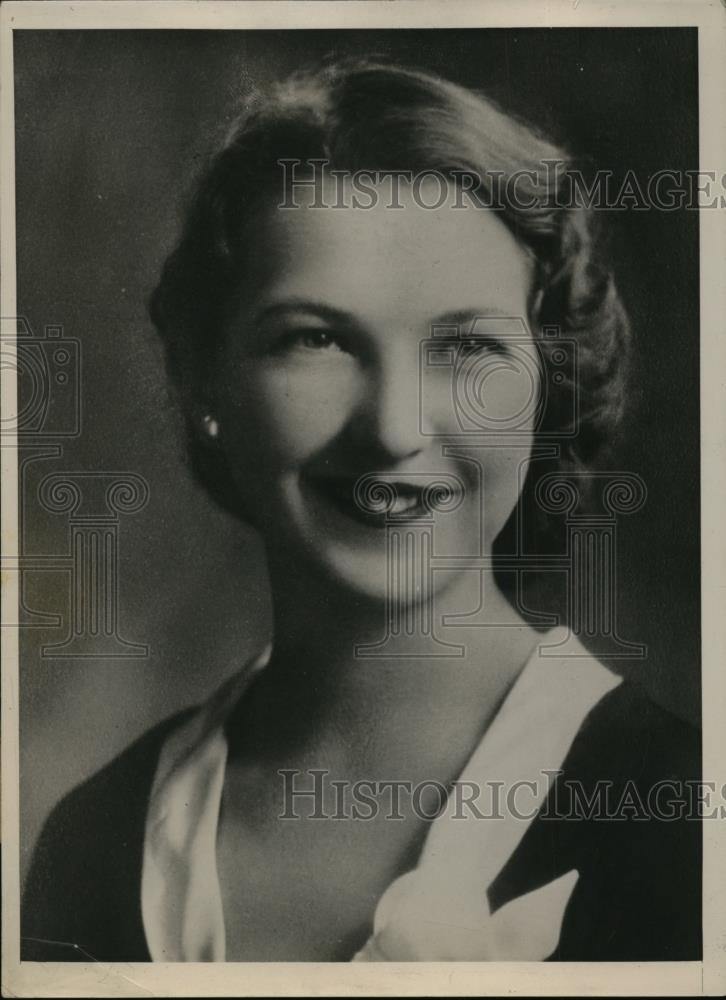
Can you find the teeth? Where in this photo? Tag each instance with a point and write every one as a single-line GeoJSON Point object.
{"type": "Point", "coordinates": [408, 497]}
{"type": "Point", "coordinates": [402, 504]}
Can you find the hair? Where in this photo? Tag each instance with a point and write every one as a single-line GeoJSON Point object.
{"type": "Point", "coordinates": [372, 115]}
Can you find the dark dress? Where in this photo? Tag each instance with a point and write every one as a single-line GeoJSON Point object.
{"type": "Point", "coordinates": [638, 897]}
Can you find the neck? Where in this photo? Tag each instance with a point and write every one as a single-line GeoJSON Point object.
{"type": "Point", "coordinates": [332, 695]}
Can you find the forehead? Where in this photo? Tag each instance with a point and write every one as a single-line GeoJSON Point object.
{"type": "Point", "coordinates": [414, 260]}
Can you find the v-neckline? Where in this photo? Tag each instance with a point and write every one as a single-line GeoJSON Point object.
{"type": "Point", "coordinates": [530, 734]}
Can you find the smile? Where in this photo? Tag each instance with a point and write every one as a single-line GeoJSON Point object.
{"type": "Point", "coordinates": [379, 503]}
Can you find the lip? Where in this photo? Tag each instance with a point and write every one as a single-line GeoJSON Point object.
{"type": "Point", "coordinates": [372, 507]}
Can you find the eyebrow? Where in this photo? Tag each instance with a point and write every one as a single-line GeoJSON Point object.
{"type": "Point", "coordinates": [492, 323]}
{"type": "Point", "coordinates": [335, 315]}
{"type": "Point", "coordinates": [471, 313]}
{"type": "Point", "coordinates": [321, 309]}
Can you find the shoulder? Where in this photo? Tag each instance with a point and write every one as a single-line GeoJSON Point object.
{"type": "Point", "coordinates": [622, 812]}
{"type": "Point", "coordinates": [81, 897]}
{"type": "Point", "coordinates": [632, 781]}
{"type": "Point", "coordinates": [121, 783]}
{"type": "Point", "coordinates": [627, 736]}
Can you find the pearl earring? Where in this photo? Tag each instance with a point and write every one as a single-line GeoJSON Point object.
{"type": "Point", "coordinates": [211, 426]}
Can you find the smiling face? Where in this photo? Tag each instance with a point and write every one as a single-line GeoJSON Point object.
{"type": "Point", "coordinates": [330, 373]}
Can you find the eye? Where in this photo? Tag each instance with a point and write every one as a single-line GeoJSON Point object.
{"type": "Point", "coordinates": [479, 345]}
{"type": "Point", "coordinates": [312, 339]}
{"type": "Point", "coordinates": [319, 339]}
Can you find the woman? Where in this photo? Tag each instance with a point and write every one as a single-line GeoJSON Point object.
{"type": "Point", "coordinates": [355, 320]}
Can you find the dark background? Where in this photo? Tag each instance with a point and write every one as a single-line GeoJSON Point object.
{"type": "Point", "coordinates": [111, 128]}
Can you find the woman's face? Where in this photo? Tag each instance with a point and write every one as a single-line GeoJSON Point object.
{"type": "Point", "coordinates": [390, 344]}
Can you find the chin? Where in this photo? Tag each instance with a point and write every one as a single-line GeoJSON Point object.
{"type": "Point", "coordinates": [363, 576]}
{"type": "Point", "coordinates": [367, 564]}
{"type": "Point", "coordinates": [367, 576]}
{"type": "Point", "coordinates": [357, 553]}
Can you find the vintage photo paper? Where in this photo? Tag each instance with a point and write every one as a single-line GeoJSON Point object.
{"type": "Point", "coordinates": [363, 478]}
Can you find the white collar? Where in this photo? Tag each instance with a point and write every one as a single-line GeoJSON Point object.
{"type": "Point", "coordinates": [530, 735]}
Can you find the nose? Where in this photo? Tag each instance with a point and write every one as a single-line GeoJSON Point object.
{"type": "Point", "coordinates": [390, 420]}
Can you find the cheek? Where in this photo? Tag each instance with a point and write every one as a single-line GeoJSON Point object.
{"type": "Point", "coordinates": [512, 408]}
{"type": "Point", "coordinates": [280, 417]}
{"type": "Point", "coordinates": [505, 471]}
{"type": "Point", "coordinates": [498, 395]}
{"type": "Point", "coordinates": [504, 475]}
